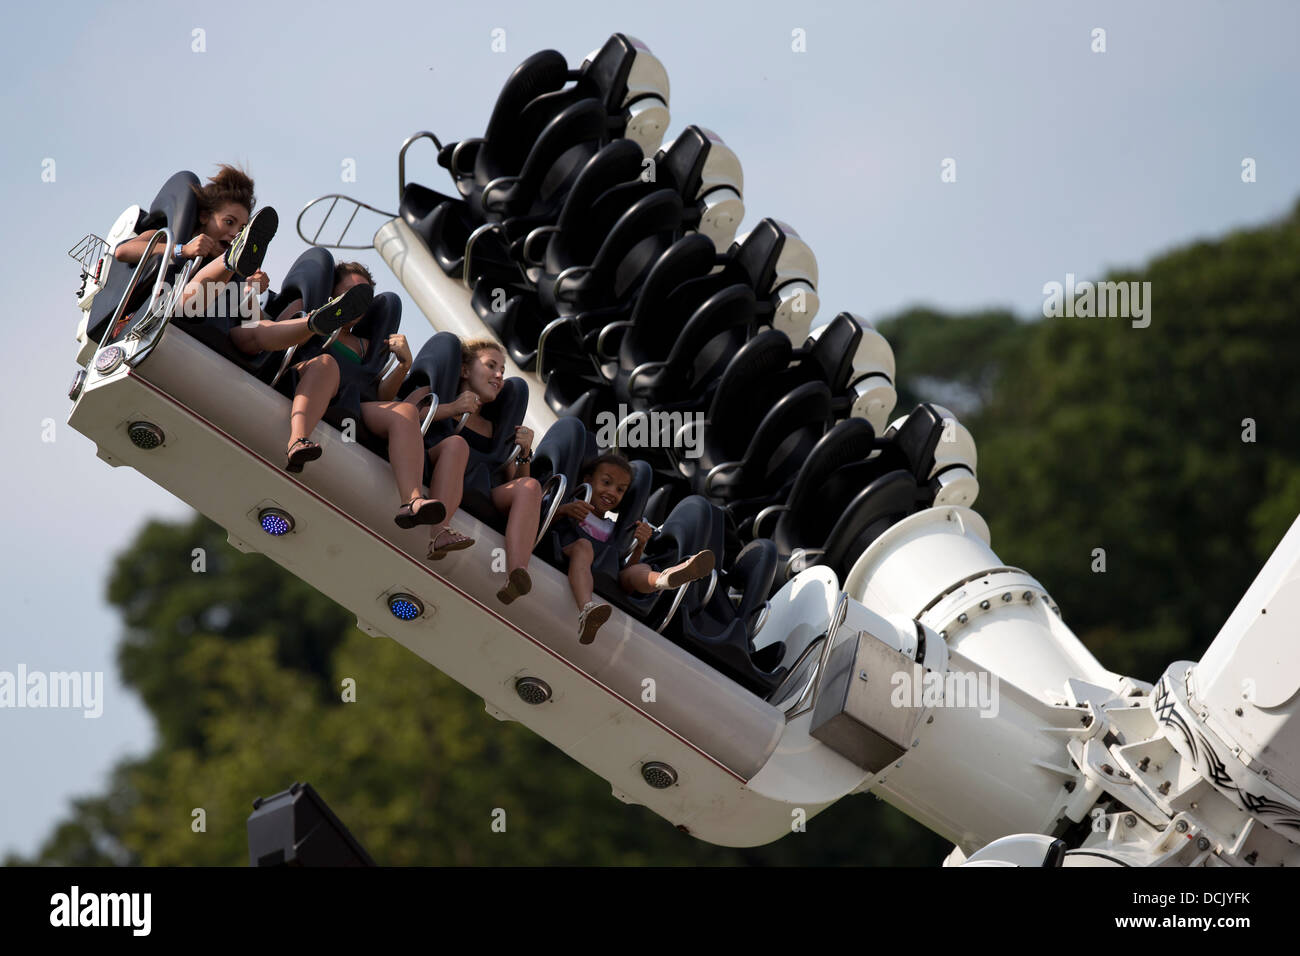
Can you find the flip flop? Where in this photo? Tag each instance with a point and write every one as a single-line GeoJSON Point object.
{"type": "Point", "coordinates": [245, 255]}
{"type": "Point", "coordinates": [341, 310]}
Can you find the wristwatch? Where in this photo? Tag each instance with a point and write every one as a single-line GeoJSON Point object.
{"type": "Point", "coordinates": [180, 251]}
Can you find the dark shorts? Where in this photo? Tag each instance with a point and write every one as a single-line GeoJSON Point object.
{"type": "Point", "coordinates": [569, 532]}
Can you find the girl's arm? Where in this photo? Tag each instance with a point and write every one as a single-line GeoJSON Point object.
{"type": "Point", "coordinates": [389, 386]}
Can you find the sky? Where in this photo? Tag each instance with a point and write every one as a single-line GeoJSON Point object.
{"type": "Point", "coordinates": [1068, 159]}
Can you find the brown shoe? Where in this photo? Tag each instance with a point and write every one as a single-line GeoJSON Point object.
{"type": "Point", "coordinates": [519, 585]}
{"type": "Point", "coordinates": [589, 621]}
{"type": "Point", "coordinates": [692, 569]}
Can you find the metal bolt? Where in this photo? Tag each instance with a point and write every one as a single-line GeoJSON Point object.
{"type": "Point", "coordinates": [1107, 768]}
{"type": "Point", "coordinates": [1164, 788]}
{"type": "Point", "coordinates": [943, 635]}
{"type": "Point", "coordinates": [930, 720]}
{"type": "Point", "coordinates": [1006, 596]}
{"type": "Point", "coordinates": [916, 742]}
{"type": "Point", "coordinates": [1028, 596]}
{"type": "Point", "coordinates": [862, 675]}
{"type": "Point", "coordinates": [1181, 826]}
{"type": "Point", "coordinates": [984, 605]}
{"type": "Point", "coordinates": [1144, 763]}
{"type": "Point", "coordinates": [962, 618]}
{"type": "Point", "coordinates": [1202, 844]}
{"type": "Point", "coordinates": [1124, 774]}
{"type": "Point", "coordinates": [1238, 711]}
{"type": "Point", "coordinates": [1130, 820]}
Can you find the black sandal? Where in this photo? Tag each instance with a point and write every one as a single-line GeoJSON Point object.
{"type": "Point", "coordinates": [432, 512]}
{"type": "Point", "coordinates": [297, 457]}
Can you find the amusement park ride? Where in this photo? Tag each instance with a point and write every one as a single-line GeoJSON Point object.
{"type": "Point", "coordinates": [859, 632]}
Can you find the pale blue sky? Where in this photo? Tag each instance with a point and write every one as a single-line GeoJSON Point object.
{"type": "Point", "coordinates": [1067, 161]}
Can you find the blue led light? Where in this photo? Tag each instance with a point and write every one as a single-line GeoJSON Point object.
{"type": "Point", "coordinates": [404, 609]}
{"type": "Point", "coordinates": [275, 523]}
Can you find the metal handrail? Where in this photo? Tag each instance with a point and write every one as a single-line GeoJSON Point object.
{"type": "Point", "coordinates": [800, 554]}
{"type": "Point", "coordinates": [428, 418]}
{"type": "Point", "coordinates": [713, 584]}
{"type": "Point", "coordinates": [401, 158]}
{"type": "Point", "coordinates": [779, 694]}
{"type": "Point", "coordinates": [564, 274]}
{"type": "Point", "coordinates": [671, 450]}
{"type": "Point", "coordinates": [621, 427]}
{"type": "Point", "coordinates": [528, 242]}
{"type": "Point", "coordinates": [769, 510]}
{"type": "Point", "coordinates": [632, 545]}
{"type": "Point", "coordinates": [453, 166]}
{"type": "Point", "coordinates": [715, 471]}
{"type": "Point", "coordinates": [284, 364]}
{"type": "Point", "coordinates": [495, 184]}
{"type": "Point", "coordinates": [600, 339]}
{"type": "Point", "coordinates": [542, 372]}
{"type": "Point", "coordinates": [469, 249]}
{"type": "Point", "coordinates": [562, 486]}
{"type": "Point", "coordinates": [763, 613]}
{"type": "Point", "coordinates": [338, 244]}
{"type": "Point", "coordinates": [814, 683]}
{"type": "Point", "coordinates": [641, 370]}
{"type": "Point", "coordinates": [677, 602]}
{"type": "Point", "coordinates": [165, 233]}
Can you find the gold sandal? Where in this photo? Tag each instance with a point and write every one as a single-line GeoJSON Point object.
{"type": "Point", "coordinates": [437, 554]}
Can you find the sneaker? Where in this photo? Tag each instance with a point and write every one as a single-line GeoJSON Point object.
{"type": "Point", "coordinates": [589, 621]}
{"type": "Point", "coordinates": [519, 585]}
{"type": "Point", "coordinates": [339, 311]}
{"type": "Point", "coordinates": [692, 569]}
{"type": "Point", "coordinates": [245, 255]}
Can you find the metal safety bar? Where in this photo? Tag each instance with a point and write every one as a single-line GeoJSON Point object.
{"type": "Point", "coordinates": [401, 157]}
{"type": "Point", "coordinates": [469, 249]}
{"type": "Point", "coordinates": [809, 693]}
{"type": "Point", "coordinates": [165, 234]}
{"type": "Point", "coordinates": [334, 201]}
{"type": "Point", "coordinates": [560, 484]}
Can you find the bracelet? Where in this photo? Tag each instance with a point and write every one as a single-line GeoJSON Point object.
{"type": "Point", "coordinates": [523, 459]}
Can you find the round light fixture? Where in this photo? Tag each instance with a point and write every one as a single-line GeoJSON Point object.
{"type": "Point", "coordinates": [533, 690]}
{"type": "Point", "coordinates": [405, 607]}
{"type": "Point", "coordinates": [78, 381]}
{"type": "Point", "coordinates": [658, 774]}
{"type": "Point", "coordinates": [145, 435]}
{"type": "Point", "coordinates": [108, 359]}
{"type": "Point", "coordinates": [275, 522]}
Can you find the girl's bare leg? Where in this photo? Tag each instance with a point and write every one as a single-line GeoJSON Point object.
{"type": "Point", "coordinates": [269, 336]}
{"type": "Point", "coordinates": [449, 458]}
{"type": "Point", "coordinates": [399, 422]}
{"type": "Point", "coordinates": [521, 499]}
{"type": "Point", "coordinates": [640, 578]}
{"type": "Point", "coordinates": [580, 554]}
{"type": "Point", "coordinates": [318, 380]}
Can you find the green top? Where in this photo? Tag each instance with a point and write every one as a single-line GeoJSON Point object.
{"type": "Point", "coordinates": [343, 352]}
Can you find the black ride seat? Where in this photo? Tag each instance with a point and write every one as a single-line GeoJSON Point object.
{"type": "Point", "coordinates": [438, 365]}
{"type": "Point", "coordinates": [718, 630]}
{"type": "Point", "coordinates": [177, 207]}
